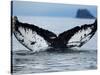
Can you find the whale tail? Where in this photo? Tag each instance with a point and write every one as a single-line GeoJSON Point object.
{"type": "Point", "coordinates": [35, 38]}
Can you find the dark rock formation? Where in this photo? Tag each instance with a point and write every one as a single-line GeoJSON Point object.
{"type": "Point", "coordinates": [84, 13]}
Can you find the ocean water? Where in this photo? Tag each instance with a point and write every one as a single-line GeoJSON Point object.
{"type": "Point", "coordinates": [27, 62]}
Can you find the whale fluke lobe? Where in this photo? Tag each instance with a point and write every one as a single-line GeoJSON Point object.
{"type": "Point", "coordinates": [79, 35]}
{"type": "Point", "coordinates": [36, 38]}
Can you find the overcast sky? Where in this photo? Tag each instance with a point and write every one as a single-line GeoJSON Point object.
{"type": "Point", "coordinates": [25, 8]}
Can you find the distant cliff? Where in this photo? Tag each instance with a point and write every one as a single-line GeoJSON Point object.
{"type": "Point", "coordinates": [84, 13]}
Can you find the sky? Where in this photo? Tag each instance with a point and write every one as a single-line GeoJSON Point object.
{"type": "Point", "coordinates": [27, 8]}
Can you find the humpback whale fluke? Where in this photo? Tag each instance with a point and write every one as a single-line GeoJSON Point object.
{"type": "Point", "coordinates": [36, 38]}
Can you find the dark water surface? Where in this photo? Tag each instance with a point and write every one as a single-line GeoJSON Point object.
{"type": "Point", "coordinates": [27, 62]}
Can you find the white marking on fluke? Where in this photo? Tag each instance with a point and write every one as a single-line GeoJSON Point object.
{"type": "Point", "coordinates": [28, 36]}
